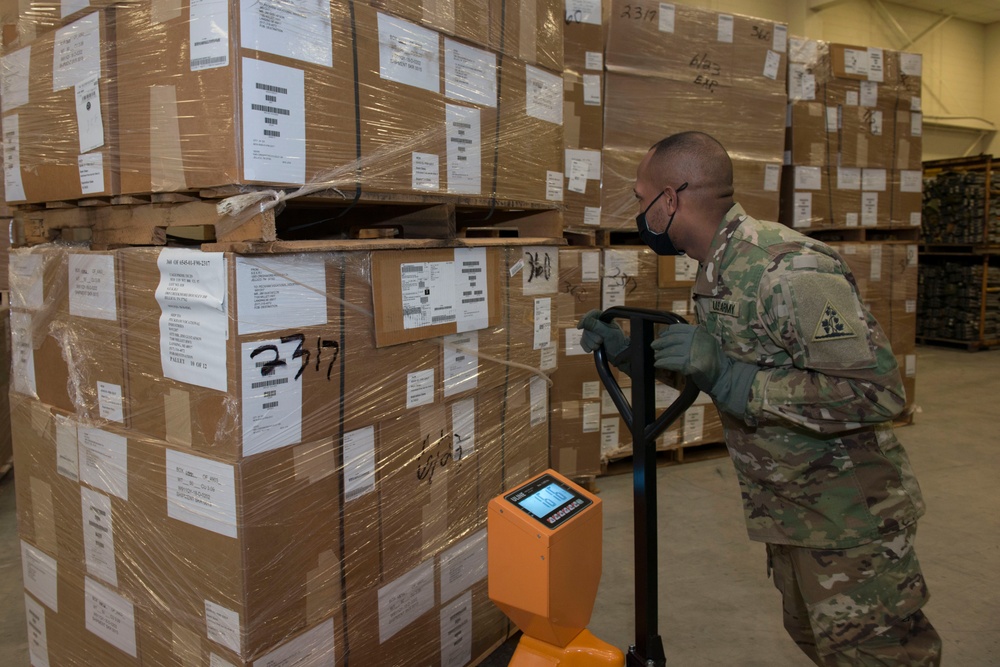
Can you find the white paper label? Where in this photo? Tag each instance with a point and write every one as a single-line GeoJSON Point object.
{"type": "Point", "coordinates": [463, 428]}
{"type": "Point", "coordinates": [26, 281]}
{"type": "Point", "coordinates": [869, 209]}
{"type": "Point", "coordinates": [426, 174]}
{"type": "Point", "coordinates": [98, 536]}
{"type": "Point", "coordinates": [911, 255]}
{"type": "Point", "coordinates": [359, 463]}
{"type": "Point", "coordinates": [851, 219]}
{"type": "Point", "coordinates": [873, 179]}
{"type": "Point", "coordinates": [772, 177]}
{"type": "Point", "coordinates": [869, 94]}
{"type": "Point", "coordinates": [470, 74]}
{"type": "Point", "coordinates": [15, 75]}
{"type": "Point", "coordinates": [193, 323]}
{"type": "Point", "coordinates": [544, 95]}
{"type": "Point", "coordinates": [911, 181]}
{"type": "Point", "coordinates": [911, 365]}
{"type": "Point", "coordinates": [208, 31]}
{"type": "Point", "coordinates": [801, 83]}
{"type": "Point", "coordinates": [915, 103]}
{"type": "Point", "coordinates": [911, 64]}
{"type": "Point", "coordinates": [471, 289]}
{"type": "Point", "coordinates": [405, 600]}
{"type": "Point", "coordinates": [88, 115]}
{"type": "Point", "coordinates": [592, 215]}
{"type": "Point", "coordinates": [280, 292]}
{"type": "Point", "coordinates": [274, 122]}
{"type": "Point", "coordinates": [67, 449]}
{"type": "Point", "coordinates": [875, 123]}
{"type": "Point", "coordinates": [802, 203]}
{"type": "Point", "coordinates": [77, 53]}
{"type": "Point", "coordinates": [875, 65]}
{"type": "Point", "coordinates": [780, 43]}
{"type": "Point", "coordinates": [541, 274]}
{"type": "Point", "coordinates": [590, 159]}
{"type": "Point", "coordinates": [110, 616]}
{"type": "Point", "coordinates": [592, 89]}
{"type": "Point", "coordinates": [685, 268]}
{"type": "Point", "coordinates": [13, 184]}
{"type": "Point", "coordinates": [428, 294]}
{"type": "Point", "coordinates": [916, 124]}
{"type": "Point", "coordinates": [591, 417]}
{"type": "Point", "coordinates": [104, 461]}
{"type": "Point", "coordinates": [201, 492]}
{"type": "Point", "coordinates": [553, 185]}
{"type": "Point", "coordinates": [694, 423]}
{"type": "Point", "coordinates": [463, 565]}
{"type": "Point", "coordinates": [577, 173]}
{"type": "Point", "coordinates": [271, 395]}
{"type": "Point", "coordinates": [39, 572]}
{"type": "Point", "coordinates": [23, 353]}
{"type": "Point", "coordinates": [680, 307]}
{"type": "Point", "coordinates": [771, 65]}
{"type": "Point", "coordinates": [223, 626]}
{"type": "Point", "coordinates": [456, 632]}
{"type": "Point", "coordinates": [832, 119]}
{"type": "Point", "coordinates": [91, 167]}
{"type": "Point", "coordinates": [665, 395]}
{"type": "Point", "coordinates": [848, 178]}
{"type": "Point", "coordinates": [548, 360]}
{"type": "Point", "coordinates": [915, 219]}
{"type": "Point", "coordinates": [856, 62]}
{"type": "Point", "coordinates": [92, 286]}
{"type": "Point", "coordinates": [216, 661]}
{"type": "Point", "coordinates": [420, 388]}
{"type": "Point", "coordinates": [583, 11]}
{"type": "Point", "coordinates": [542, 322]}
{"type": "Point", "coordinates": [590, 266]}
{"type": "Point", "coordinates": [110, 401]}
{"type": "Point", "coordinates": [910, 306]}
{"type": "Point", "coordinates": [808, 178]}
{"type": "Point", "coordinates": [589, 390]}
{"type": "Point", "coordinates": [461, 363]}
{"type": "Point", "coordinates": [726, 24]}
{"type": "Point", "coordinates": [539, 396]}
{"type": "Point", "coordinates": [299, 30]}
{"type": "Point", "coordinates": [608, 406]}
{"type": "Point", "coordinates": [851, 99]}
{"type": "Point", "coordinates": [573, 338]}
{"type": "Point", "coordinates": [876, 263]}
{"type": "Point", "coordinates": [609, 434]}
{"type": "Point", "coordinates": [594, 60]}
{"type": "Point", "coordinates": [38, 642]}
{"type": "Point", "coordinates": [667, 17]}
{"type": "Point", "coordinates": [408, 53]}
{"type": "Point", "coordinates": [465, 150]}
{"type": "Point", "coordinates": [315, 648]}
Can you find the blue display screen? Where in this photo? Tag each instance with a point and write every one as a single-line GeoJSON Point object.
{"type": "Point", "coordinates": [543, 502]}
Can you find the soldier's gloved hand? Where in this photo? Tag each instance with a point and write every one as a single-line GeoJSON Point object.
{"type": "Point", "coordinates": [691, 350]}
{"type": "Point", "coordinates": [596, 333]}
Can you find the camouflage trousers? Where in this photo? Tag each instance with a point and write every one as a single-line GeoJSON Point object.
{"type": "Point", "coordinates": [859, 606]}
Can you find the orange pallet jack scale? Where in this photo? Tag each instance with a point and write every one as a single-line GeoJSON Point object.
{"type": "Point", "coordinates": [544, 535]}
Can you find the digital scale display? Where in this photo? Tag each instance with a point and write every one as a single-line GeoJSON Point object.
{"type": "Point", "coordinates": [548, 500]}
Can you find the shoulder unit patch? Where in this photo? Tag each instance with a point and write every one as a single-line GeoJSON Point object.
{"type": "Point", "coordinates": [832, 325]}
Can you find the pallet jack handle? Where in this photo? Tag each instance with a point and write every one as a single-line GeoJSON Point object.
{"type": "Point", "coordinates": [641, 419]}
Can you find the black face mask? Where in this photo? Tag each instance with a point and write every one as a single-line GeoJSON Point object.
{"type": "Point", "coordinates": [658, 243]}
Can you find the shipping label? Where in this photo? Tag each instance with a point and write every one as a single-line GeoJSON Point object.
{"type": "Point", "coordinates": [299, 30]}
{"type": "Point", "coordinates": [428, 290]}
{"type": "Point", "coordinates": [98, 536]}
{"type": "Point", "coordinates": [359, 463]}
{"type": "Point", "coordinates": [463, 565]}
{"type": "Point", "coordinates": [92, 286]}
{"type": "Point", "coordinates": [408, 53]}
{"type": "Point", "coordinates": [274, 123]}
{"type": "Point", "coordinates": [461, 363]}
{"type": "Point", "coordinates": [91, 168]}
{"type": "Point", "coordinates": [201, 492]}
{"type": "Point", "coordinates": [544, 95]}
{"type": "Point", "coordinates": [103, 460]}
{"type": "Point", "coordinates": [456, 632]}
{"type": "Point", "coordinates": [470, 74]}
{"type": "Point", "coordinates": [272, 394]}
{"type": "Point", "coordinates": [465, 150]}
{"type": "Point", "coordinates": [77, 53]}
{"type": "Point", "coordinates": [280, 292]}
{"type": "Point", "coordinates": [39, 572]}
{"type": "Point", "coordinates": [405, 600]}
{"type": "Point", "coordinates": [208, 31]}
{"type": "Point", "coordinates": [110, 616]}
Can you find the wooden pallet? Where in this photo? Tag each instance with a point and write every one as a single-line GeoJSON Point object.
{"type": "Point", "coordinates": [602, 238]}
{"type": "Point", "coordinates": [864, 234]}
{"type": "Point", "coordinates": [675, 455]}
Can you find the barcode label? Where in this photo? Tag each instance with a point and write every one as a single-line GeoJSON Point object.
{"type": "Point", "coordinates": [208, 62]}
{"type": "Point", "coordinates": [271, 89]}
{"type": "Point", "coordinates": [269, 109]}
{"type": "Point", "coordinates": [269, 383]}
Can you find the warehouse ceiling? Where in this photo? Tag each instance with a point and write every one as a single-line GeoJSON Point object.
{"type": "Point", "coordinates": [978, 11]}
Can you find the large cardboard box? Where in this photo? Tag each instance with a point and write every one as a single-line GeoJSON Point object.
{"type": "Point", "coordinates": [60, 119]}
{"type": "Point", "coordinates": [906, 208]}
{"type": "Point", "coordinates": [583, 116]}
{"type": "Point", "coordinates": [583, 37]}
{"type": "Point", "coordinates": [462, 18]}
{"type": "Point", "coordinates": [534, 304]}
{"type": "Point", "coordinates": [529, 30]}
{"type": "Point", "coordinates": [909, 130]}
{"type": "Point", "coordinates": [811, 135]}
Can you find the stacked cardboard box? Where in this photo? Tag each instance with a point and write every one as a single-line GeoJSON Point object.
{"type": "Point", "coordinates": [278, 455]}
{"type": "Point", "coordinates": [854, 131]}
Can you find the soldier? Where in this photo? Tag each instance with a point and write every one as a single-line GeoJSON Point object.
{"type": "Point", "coordinates": [806, 384]}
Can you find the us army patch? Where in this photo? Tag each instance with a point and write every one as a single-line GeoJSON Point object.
{"type": "Point", "coordinates": [832, 325]}
{"type": "Point", "coordinates": [723, 307]}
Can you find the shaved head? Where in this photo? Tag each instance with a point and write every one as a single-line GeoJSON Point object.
{"type": "Point", "coordinates": [694, 157]}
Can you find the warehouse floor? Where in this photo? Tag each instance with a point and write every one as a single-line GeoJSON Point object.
{"type": "Point", "coordinates": [717, 605]}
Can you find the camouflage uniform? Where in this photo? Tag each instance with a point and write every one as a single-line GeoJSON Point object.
{"type": "Point", "coordinates": [824, 481]}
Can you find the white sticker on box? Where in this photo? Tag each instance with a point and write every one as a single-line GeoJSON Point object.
{"type": "Point", "coordinates": [780, 42]}
{"type": "Point", "coordinates": [542, 270]}
{"type": "Point", "coordinates": [577, 174]}
{"type": "Point", "coordinates": [274, 122]}
{"type": "Point", "coordinates": [456, 632]}
{"type": "Point", "coordinates": [876, 65]}
{"type": "Point", "coordinates": [608, 406]}
{"type": "Point", "coordinates": [15, 74]}
{"type": "Point", "coordinates": [471, 289]}
{"type": "Point", "coordinates": [271, 394]}
{"type": "Point", "coordinates": [802, 203]}
{"type": "Point", "coordinates": [914, 103]}
{"type": "Point", "coordinates": [22, 353]}
{"type": "Point", "coordinates": [873, 179]}
{"type": "Point", "coordinates": [91, 167]}
{"type": "Point", "coordinates": [911, 365]}
{"type": "Point", "coordinates": [801, 83]}
{"type": "Point", "coordinates": [465, 150]}
{"type": "Point", "coordinates": [868, 94]}
{"type": "Point", "coordinates": [201, 492]}
{"type": "Point", "coordinates": [590, 266]}
{"type": "Point", "coordinates": [26, 281]}
{"type": "Point", "coordinates": [590, 390]}
{"type": "Point", "coordinates": [832, 119]}
{"type": "Point", "coordinates": [426, 172]}
{"type": "Point", "coordinates": [802, 50]}
{"type": "Point", "coordinates": [613, 292]}
{"type": "Point", "coordinates": [876, 263]}
{"type": "Point", "coordinates": [912, 256]}
{"type": "Point", "coordinates": [911, 64]}
{"type": "Point", "coordinates": [516, 268]}
{"type": "Point", "coordinates": [98, 535]}
{"type": "Point", "coordinates": [591, 215]}
{"type": "Point", "coordinates": [461, 362]}
{"type": "Point", "coordinates": [38, 642]}
{"type": "Point", "coordinates": [848, 178]}
{"type": "Point", "coordinates": [470, 74]}
{"type": "Point", "coordinates": [544, 95]}
{"type": "Point", "coordinates": [542, 322]}
{"type": "Point", "coordinates": [591, 417]}
{"type": "Point", "coordinates": [103, 460]}
{"type": "Point", "coordinates": [70, 7]}
{"type": "Point", "coordinates": [67, 448]}
{"type": "Point", "coordinates": [726, 25]}
{"type": "Point", "coordinates": [92, 286]}
{"type": "Point", "coordinates": [77, 53]}
{"type": "Point", "coordinates": [553, 185]}
{"type": "Point", "coordinates": [856, 62]}
{"type": "Point", "coordinates": [13, 184]}
{"type": "Point", "coordinates": [280, 292]}
{"type": "Point", "coordinates": [772, 177]}
{"type": "Point", "coordinates": [911, 180]}
{"type": "Point", "coordinates": [609, 434]}
{"type": "Point", "coordinates": [910, 306]}
{"type": "Point", "coordinates": [299, 30]}
{"type": "Point", "coordinates": [223, 626]}
{"type": "Point", "coordinates": [359, 462]}
{"type": "Point", "coordinates": [208, 30]}
{"type": "Point", "coordinates": [594, 60]}
{"type": "Point", "coordinates": [851, 99]}
{"type": "Point", "coordinates": [915, 219]}
{"type": "Point", "coordinates": [808, 178]}
{"type": "Point", "coordinates": [548, 360]}
{"type": "Point", "coordinates": [39, 572]}
{"type": "Point", "coordinates": [869, 209]}
{"type": "Point", "coordinates": [694, 424]}
{"type": "Point", "coordinates": [573, 342]}
{"type": "Point", "coordinates": [110, 616]}
{"type": "Point", "coordinates": [621, 263]}
{"type": "Point", "coordinates": [315, 648]}
{"type": "Point", "coordinates": [583, 11]}
{"type": "Point", "coordinates": [685, 268]}
{"type": "Point", "coordinates": [665, 395]}
{"type": "Point", "coordinates": [771, 65]}
{"type": "Point", "coordinates": [463, 428]}
{"type": "Point", "coordinates": [851, 219]}
{"type": "Point", "coordinates": [668, 15]}
{"type": "Point", "coordinates": [916, 124]}
{"type": "Point", "coordinates": [406, 599]}
{"type": "Point", "coordinates": [194, 323]}
{"type": "Point", "coordinates": [875, 123]}
{"type": "Point", "coordinates": [538, 390]}
{"type": "Point", "coordinates": [463, 565]}
{"type": "Point", "coordinates": [591, 160]}
{"type": "Point", "coordinates": [110, 401]}
{"type": "Point", "coordinates": [679, 307]}
{"type": "Point", "coordinates": [419, 388]}
{"type": "Point", "coordinates": [428, 293]}
{"type": "Point", "coordinates": [408, 53]}
{"type": "Point", "coordinates": [89, 122]}
{"type": "Point", "coordinates": [592, 90]}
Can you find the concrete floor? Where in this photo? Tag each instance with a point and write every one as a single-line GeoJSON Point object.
{"type": "Point", "coordinates": [717, 606]}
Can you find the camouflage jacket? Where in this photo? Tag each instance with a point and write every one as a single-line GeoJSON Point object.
{"type": "Point", "coordinates": [817, 460]}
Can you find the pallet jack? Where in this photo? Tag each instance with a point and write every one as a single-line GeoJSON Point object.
{"type": "Point", "coordinates": [544, 535]}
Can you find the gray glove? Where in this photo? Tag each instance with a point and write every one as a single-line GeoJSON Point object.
{"type": "Point", "coordinates": [597, 333]}
{"type": "Point", "coordinates": [691, 350]}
